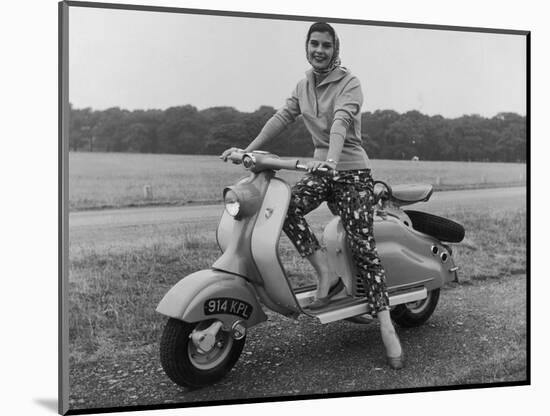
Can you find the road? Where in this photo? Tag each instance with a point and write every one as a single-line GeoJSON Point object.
{"type": "Point", "coordinates": [494, 198]}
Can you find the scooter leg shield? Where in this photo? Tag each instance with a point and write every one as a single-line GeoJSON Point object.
{"type": "Point", "coordinates": [212, 294]}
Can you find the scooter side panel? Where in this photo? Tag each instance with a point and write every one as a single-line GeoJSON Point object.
{"type": "Point", "coordinates": [191, 299]}
{"type": "Point", "coordinates": [265, 248]}
{"type": "Point", "coordinates": [405, 254]}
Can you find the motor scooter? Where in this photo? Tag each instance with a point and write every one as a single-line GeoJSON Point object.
{"type": "Point", "coordinates": [210, 311]}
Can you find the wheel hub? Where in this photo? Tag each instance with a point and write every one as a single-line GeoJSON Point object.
{"type": "Point", "coordinates": [209, 345]}
{"type": "Point", "coordinates": [205, 343]}
{"type": "Point", "coordinates": [205, 340]}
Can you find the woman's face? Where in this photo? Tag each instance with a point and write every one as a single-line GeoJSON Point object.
{"type": "Point", "coordinates": [320, 49]}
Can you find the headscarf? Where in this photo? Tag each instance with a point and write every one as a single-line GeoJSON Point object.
{"type": "Point", "coordinates": [335, 60]}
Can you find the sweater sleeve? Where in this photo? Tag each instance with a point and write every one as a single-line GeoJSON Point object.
{"type": "Point", "coordinates": [336, 139]}
{"type": "Point", "coordinates": [278, 122]}
{"type": "Point", "coordinates": [291, 110]}
{"type": "Point", "coordinates": [349, 101]}
{"type": "Point", "coordinates": [271, 129]}
{"type": "Point", "coordinates": [347, 106]}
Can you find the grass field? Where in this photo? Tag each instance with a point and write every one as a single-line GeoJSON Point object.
{"type": "Point", "coordinates": [100, 180]}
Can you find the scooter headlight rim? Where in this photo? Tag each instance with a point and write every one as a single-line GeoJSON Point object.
{"type": "Point", "coordinates": [232, 203]}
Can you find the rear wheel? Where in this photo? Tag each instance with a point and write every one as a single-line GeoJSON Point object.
{"type": "Point", "coordinates": [416, 313]}
{"type": "Point", "coordinates": [188, 365]}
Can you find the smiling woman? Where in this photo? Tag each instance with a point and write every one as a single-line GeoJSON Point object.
{"type": "Point", "coordinates": [330, 100]}
{"type": "Point", "coordinates": [322, 50]}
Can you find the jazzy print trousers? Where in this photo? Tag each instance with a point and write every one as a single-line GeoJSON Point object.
{"type": "Point", "coordinates": [349, 194]}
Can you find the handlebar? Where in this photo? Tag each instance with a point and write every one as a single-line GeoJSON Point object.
{"type": "Point", "coordinates": [304, 168]}
{"type": "Point", "coordinates": [257, 161]}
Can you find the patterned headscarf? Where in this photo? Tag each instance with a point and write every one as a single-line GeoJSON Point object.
{"type": "Point", "coordinates": [335, 61]}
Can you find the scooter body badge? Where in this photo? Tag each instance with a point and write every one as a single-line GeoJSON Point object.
{"type": "Point", "coordinates": [230, 306]}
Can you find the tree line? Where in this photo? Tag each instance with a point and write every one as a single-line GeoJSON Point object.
{"type": "Point", "coordinates": [386, 134]}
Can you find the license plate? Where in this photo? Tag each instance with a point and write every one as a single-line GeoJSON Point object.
{"type": "Point", "coordinates": [227, 305]}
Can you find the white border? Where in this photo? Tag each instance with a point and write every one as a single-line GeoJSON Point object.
{"type": "Point", "coordinates": [29, 173]}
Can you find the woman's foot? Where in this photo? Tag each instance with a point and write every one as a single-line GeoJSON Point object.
{"type": "Point", "coordinates": [319, 262]}
{"type": "Point", "coordinates": [324, 285]}
{"type": "Point", "coordinates": [391, 342]}
{"type": "Point", "coordinates": [321, 302]}
{"type": "Point", "coordinates": [396, 363]}
{"type": "Point", "coordinates": [394, 351]}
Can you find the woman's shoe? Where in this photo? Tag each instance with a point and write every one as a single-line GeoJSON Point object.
{"type": "Point", "coordinates": [320, 303]}
{"type": "Point", "coordinates": [396, 363]}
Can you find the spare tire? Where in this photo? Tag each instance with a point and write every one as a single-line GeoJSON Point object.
{"type": "Point", "coordinates": [438, 227]}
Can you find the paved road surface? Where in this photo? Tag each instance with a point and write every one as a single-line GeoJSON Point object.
{"type": "Point", "coordinates": [494, 198]}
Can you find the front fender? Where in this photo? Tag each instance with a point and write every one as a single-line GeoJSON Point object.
{"type": "Point", "coordinates": [188, 298]}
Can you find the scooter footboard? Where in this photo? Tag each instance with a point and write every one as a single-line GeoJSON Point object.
{"type": "Point", "coordinates": [212, 294]}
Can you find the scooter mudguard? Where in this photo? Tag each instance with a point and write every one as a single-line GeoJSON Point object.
{"type": "Point", "coordinates": [212, 294]}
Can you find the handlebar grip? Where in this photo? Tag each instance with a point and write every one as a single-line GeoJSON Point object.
{"type": "Point", "coordinates": [290, 164]}
{"type": "Point", "coordinates": [323, 170]}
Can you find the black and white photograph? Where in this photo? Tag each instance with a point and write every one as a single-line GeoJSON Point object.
{"type": "Point", "coordinates": [282, 207]}
{"type": "Point", "coordinates": [279, 208]}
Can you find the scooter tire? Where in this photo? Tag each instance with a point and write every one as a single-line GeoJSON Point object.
{"type": "Point", "coordinates": [176, 350]}
{"type": "Point", "coordinates": [410, 315]}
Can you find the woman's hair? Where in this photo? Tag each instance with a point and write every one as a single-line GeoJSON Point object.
{"type": "Point", "coordinates": [321, 27]}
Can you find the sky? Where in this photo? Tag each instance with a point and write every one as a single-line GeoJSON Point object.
{"type": "Point", "coordinates": [144, 60]}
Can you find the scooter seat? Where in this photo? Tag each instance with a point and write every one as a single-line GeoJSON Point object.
{"type": "Point", "coordinates": [410, 194]}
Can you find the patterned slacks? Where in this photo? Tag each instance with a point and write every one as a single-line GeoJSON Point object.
{"type": "Point", "coordinates": [350, 195]}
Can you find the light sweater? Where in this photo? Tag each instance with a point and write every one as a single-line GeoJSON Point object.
{"type": "Point", "coordinates": [332, 114]}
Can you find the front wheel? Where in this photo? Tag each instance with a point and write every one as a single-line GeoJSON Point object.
{"type": "Point", "coordinates": [187, 364]}
{"type": "Point", "coordinates": [414, 314]}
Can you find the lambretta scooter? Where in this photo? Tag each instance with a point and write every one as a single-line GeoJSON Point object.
{"type": "Point", "coordinates": [210, 311]}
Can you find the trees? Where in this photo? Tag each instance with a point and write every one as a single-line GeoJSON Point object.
{"type": "Point", "coordinates": [109, 130]}
{"type": "Point", "coordinates": [81, 128]}
{"type": "Point", "coordinates": [385, 133]}
{"type": "Point", "coordinates": [181, 130]}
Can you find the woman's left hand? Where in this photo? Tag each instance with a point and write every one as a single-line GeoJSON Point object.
{"type": "Point", "coordinates": [314, 165]}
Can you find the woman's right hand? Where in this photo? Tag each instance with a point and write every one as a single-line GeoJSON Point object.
{"type": "Point", "coordinates": [225, 155]}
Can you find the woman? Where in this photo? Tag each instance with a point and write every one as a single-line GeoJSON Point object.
{"type": "Point", "coordinates": [330, 99]}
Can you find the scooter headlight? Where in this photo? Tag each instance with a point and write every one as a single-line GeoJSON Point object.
{"type": "Point", "coordinates": [232, 203]}
{"type": "Point", "coordinates": [242, 200]}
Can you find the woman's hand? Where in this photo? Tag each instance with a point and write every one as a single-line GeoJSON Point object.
{"type": "Point", "coordinates": [314, 165]}
{"type": "Point", "coordinates": [225, 155]}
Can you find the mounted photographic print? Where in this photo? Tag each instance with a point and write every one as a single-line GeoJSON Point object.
{"type": "Point", "coordinates": [268, 207]}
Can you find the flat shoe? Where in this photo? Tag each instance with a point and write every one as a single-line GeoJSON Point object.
{"type": "Point", "coordinates": [320, 303]}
